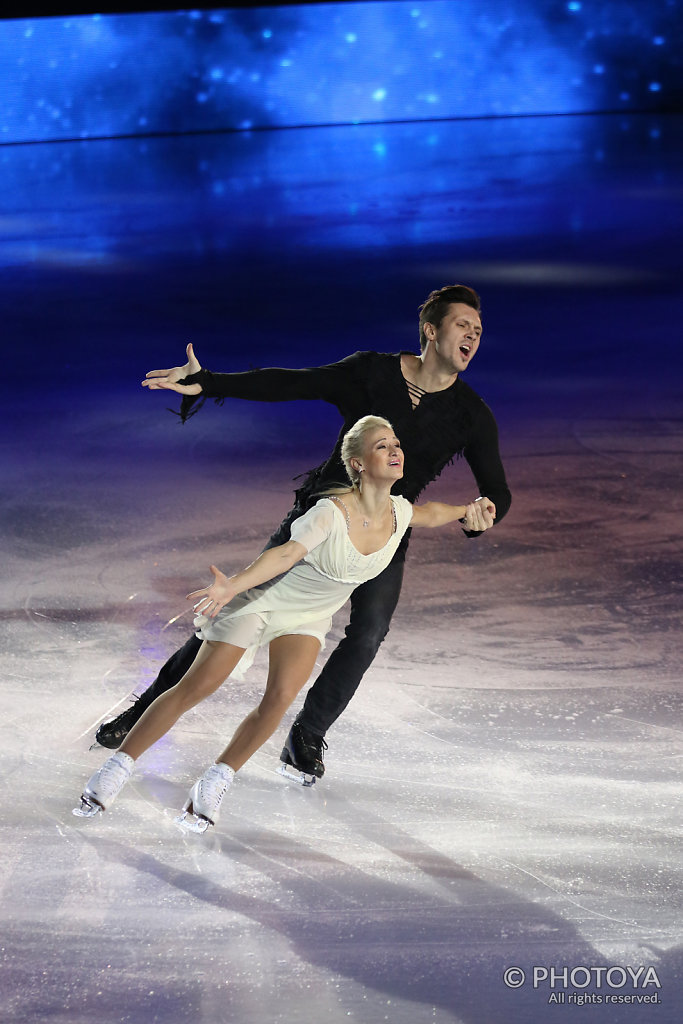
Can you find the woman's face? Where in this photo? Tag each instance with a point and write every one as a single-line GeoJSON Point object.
{"type": "Point", "coordinates": [382, 457]}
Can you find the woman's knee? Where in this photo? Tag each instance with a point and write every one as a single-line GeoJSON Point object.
{"type": "Point", "coordinates": [189, 698]}
{"type": "Point", "coordinates": [192, 691]}
{"type": "Point", "coordinates": [278, 697]}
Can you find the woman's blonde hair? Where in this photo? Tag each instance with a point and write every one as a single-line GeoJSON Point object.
{"type": "Point", "coordinates": [352, 446]}
{"type": "Point", "coordinates": [354, 442]}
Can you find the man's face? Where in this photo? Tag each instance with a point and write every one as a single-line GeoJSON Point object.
{"type": "Point", "coordinates": [457, 338]}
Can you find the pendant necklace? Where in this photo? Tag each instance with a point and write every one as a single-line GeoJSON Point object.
{"type": "Point", "coordinates": [366, 522]}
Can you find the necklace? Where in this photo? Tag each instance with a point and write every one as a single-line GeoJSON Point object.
{"type": "Point", "coordinates": [366, 522]}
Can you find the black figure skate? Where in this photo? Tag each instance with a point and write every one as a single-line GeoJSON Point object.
{"type": "Point", "coordinates": [112, 734]}
{"type": "Point", "coordinates": [302, 756]}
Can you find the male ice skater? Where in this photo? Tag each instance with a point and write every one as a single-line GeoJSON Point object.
{"type": "Point", "coordinates": [437, 418]}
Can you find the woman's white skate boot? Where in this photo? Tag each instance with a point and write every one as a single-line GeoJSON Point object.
{"type": "Point", "coordinates": [201, 807]}
{"type": "Point", "coordinates": [105, 785]}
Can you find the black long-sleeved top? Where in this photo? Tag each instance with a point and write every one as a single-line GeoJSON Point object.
{"type": "Point", "coordinates": [444, 425]}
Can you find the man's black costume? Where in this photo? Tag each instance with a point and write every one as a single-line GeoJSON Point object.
{"type": "Point", "coordinates": [442, 426]}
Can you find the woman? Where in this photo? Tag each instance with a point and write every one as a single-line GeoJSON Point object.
{"type": "Point", "coordinates": [285, 599]}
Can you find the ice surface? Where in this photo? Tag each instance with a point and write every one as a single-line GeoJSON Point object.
{"type": "Point", "coordinates": [504, 791]}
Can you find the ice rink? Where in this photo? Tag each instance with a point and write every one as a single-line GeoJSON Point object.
{"type": "Point", "coordinates": [504, 792]}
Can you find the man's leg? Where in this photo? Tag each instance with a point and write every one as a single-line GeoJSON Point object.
{"type": "Point", "coordinates": [112, 734]}
{"type": "Point", "coordinates": [213, 664]}
{"type": "Point", "coordinates": [372, 606]}
{"type": "Point", "coordinates": [209, 670]}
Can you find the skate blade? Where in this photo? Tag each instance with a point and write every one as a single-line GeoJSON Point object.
{"type": "Point", "coordinates": [289, 772]}
{"type": "Point", "coordinates": [189, 822]}
{"type": "Point", "coordinates": [87, 809]}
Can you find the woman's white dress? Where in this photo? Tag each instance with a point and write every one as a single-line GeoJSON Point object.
{"type": "Point", "coordinates": [304, 599]}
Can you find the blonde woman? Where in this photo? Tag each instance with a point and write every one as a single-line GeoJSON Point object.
{"type": "Point", "coordinates": [286, 600]}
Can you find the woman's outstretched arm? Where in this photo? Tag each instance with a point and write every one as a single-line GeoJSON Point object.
{"type": "Point", "coordinates": [268, 565]}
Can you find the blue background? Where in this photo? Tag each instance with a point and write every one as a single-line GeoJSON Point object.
{"type": "Point", "coordinates": [157, 227]}
{"type": "Point", "coordinates": [77, 77]}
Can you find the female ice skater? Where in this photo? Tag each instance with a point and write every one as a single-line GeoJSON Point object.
{"type": "Point", "coordinates": [285, 599]}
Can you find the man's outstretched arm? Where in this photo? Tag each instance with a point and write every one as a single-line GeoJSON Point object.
{"type": "Point", "coordinates": [331, 383]}
{"type": "Point", "coordinates": [168, 380]}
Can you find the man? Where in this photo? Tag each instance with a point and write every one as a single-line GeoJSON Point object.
{"type": "Point", "coordinates": [437, 418]}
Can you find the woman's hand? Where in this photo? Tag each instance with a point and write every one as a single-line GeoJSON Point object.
{"type": "Point", "coordinates": [210, 600]}
{"type": "Point", "coordinates": [167, 380]}
{"type": "Point", "coordinates": [479, 515]}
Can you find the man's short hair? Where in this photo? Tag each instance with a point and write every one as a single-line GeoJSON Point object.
{"type": "Point", "coordinates": [435, 306]}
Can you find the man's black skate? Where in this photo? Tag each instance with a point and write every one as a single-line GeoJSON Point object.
{"type": "Point", "coordinates": [303, 752]}
{"type": "Point", "coordinates": [112, 734]}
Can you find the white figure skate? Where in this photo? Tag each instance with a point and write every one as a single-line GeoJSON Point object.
{"type": "Point", "coordinates": [201, 807]}
{"type": "Point", "coordinates": [104, 786]}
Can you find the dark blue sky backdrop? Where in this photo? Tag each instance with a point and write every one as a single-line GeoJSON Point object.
{"type": "Point", "coordinates": [296, 247]}
{"type": "Point", "coordinates": [84, 76]}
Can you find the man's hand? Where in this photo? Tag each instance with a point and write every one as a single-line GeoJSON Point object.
{"type": "Point", "coordinates": [479, 515]}
{"type": "Point", "coordinates": [167, 380]}
{"type": "Point", "coordinates": [210, 600]}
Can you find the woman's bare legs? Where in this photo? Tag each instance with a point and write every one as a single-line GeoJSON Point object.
{"type": "Point", "coordinates": [291, 662]}
{"type": "Point", "coordinates": [213, 664]}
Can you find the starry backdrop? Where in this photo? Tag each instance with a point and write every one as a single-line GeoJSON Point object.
{"type": "Point", "coordinates": [179, 71]}
{"type": "Point", "coordinates": [157, 168]}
